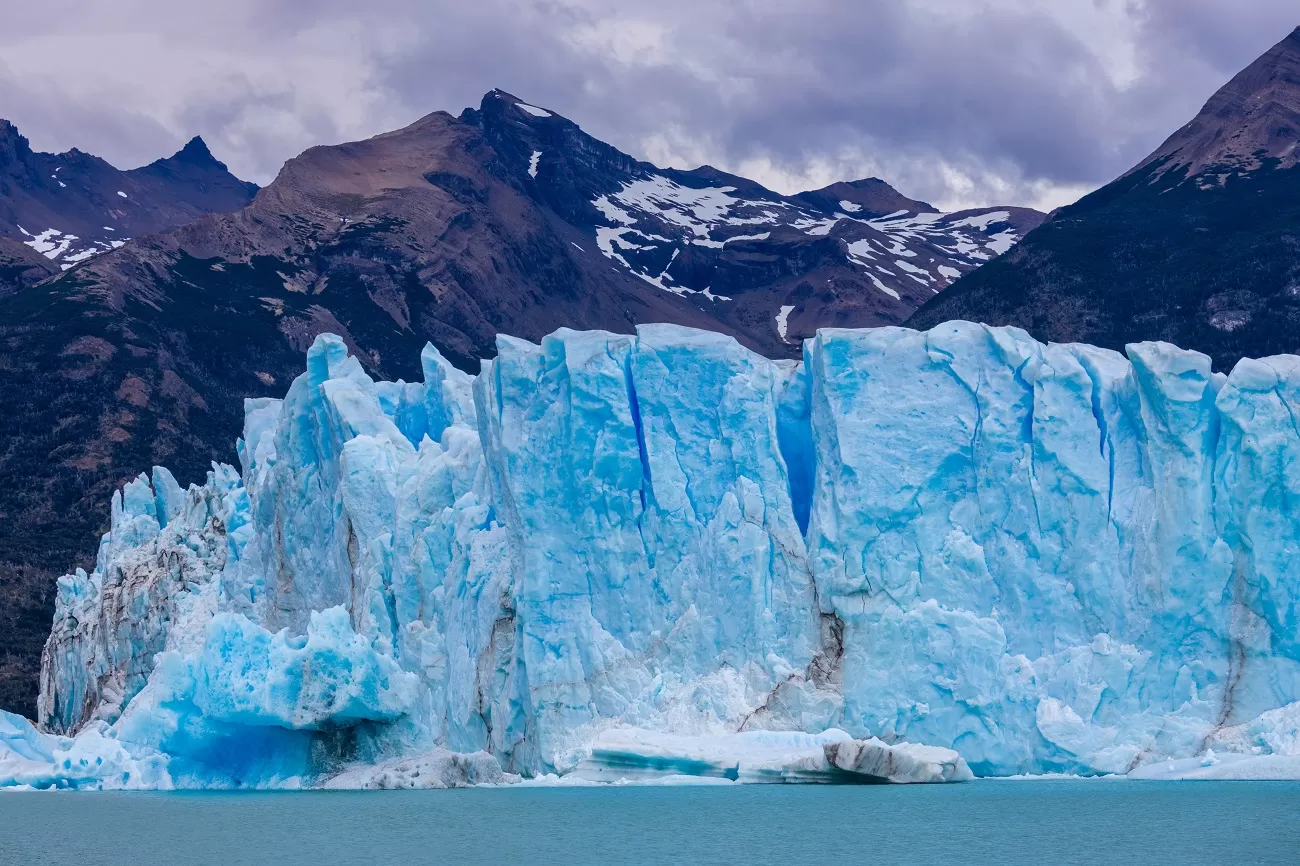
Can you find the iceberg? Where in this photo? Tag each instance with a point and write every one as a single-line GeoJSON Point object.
{"type": "Point", "coordinates": [436, 769]}
{"type": "Point", "coordinates": [662, 550]}
{"type": "Point", "coordinates": [632, 754]}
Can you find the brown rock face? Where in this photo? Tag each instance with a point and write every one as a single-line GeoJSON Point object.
{"type": "Point", "coordinates": [1253, 118]}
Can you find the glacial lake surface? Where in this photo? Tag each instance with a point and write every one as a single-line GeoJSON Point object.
{"type": "Point", "coordinates": [1002, 822]}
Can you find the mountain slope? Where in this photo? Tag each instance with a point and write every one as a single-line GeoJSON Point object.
{"type": "Point", "coordinates": [71, 206]}
{"type": "Point", "coordinates": [22, 266]}
{"type": "Point", "coordinates": [451, 230]}
{"type": "Point", "coordinates": [773, 267]}
{"type": "Point", "coordinates": [1198, 245]}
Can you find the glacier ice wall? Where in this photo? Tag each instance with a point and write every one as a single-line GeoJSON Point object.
{"type": "Point", "coordinates": [1050, 558]}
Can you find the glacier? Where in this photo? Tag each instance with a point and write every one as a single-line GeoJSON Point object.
{"type": "Point", "coordinates": [667, 549]}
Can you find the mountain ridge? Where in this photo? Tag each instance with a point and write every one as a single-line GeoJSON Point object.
{"type": "Point", "coordinates": [72, 206]}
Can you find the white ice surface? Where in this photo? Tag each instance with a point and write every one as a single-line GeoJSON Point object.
{"type": "Point", "coordinates": [1049, 559]}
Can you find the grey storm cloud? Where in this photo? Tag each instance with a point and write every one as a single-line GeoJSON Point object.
{"type": "Point", "coordinates": [962, 102]}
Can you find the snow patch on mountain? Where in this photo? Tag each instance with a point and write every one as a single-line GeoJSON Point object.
{"type": "Point", "coordinates": [67, 249]}
{"type": "Point", "coordinates": [657, 217]}
{"type": "Point", "coordinates": [783, 321]}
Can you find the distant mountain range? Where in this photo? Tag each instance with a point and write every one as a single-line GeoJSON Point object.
{"type": "Point", "coordinates": [68, 207]}
{"type": "Point", "coordinates": [1199, 244]}
{"type": "Point", "coordinates": [508, 218]}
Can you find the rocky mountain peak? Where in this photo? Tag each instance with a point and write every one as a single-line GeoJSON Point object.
{"type": "Point", "coordinates": [868, 197]}
{"type": "Point", "coordinates": [1251, 121]}
{"type": "Point", "coordinates": [500, 101]}
{"type": "Point", "coordinates": [196, 151]}
{"type": "Point", "coordinates": [13, 145]}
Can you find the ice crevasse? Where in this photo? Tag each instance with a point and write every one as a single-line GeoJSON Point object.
{"type": "Point", "coordinates": [663, 552]}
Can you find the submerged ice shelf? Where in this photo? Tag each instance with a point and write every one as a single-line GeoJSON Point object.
{"type": "Point", "coordinates": [1044, 558]}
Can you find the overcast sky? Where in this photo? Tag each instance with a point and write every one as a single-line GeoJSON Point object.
{"type": "Point", "coordinates": [961, 102]}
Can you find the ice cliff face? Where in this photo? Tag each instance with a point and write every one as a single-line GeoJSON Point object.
{"type": "Point", "coordinates": [1045, 557]}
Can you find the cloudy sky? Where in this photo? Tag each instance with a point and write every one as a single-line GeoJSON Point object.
{"type": "Point", "coordinates": [962, 102]}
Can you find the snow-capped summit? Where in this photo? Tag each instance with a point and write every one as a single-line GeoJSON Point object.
{"type": "Point", "coordinates": [869, 197]}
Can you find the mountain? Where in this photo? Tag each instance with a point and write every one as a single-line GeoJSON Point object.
{"type": "Point", "coordinates": [1198, 245]}
{"type": "Point", "coordinates": [771, 268]}
{"type": "Point", "coordinates": [508, 218]}
{"type": "Point", "coordinates": [71, 206]}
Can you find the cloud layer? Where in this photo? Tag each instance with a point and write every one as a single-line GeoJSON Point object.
{"type": "Point", "coordinates": [961, 102]}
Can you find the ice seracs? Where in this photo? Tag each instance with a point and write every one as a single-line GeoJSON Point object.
{"type": "Point", "coordinates": [624, 556]}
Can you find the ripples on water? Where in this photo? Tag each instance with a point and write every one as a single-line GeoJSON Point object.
{"type": "Point", "coordinates": [1007, 823]}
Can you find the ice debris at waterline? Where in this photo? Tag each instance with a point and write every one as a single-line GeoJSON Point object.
{"type": "Point", "coordinates": [1046, 558]}
{"type": "Point", "coordinates": [624, 754]}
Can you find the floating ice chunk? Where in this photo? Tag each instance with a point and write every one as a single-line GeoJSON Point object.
{"type": "Point", "coordinates": [93, 760]}
{"type": "Point", "coordinates": [630, 754]}
{"type": "Point", "coordinates": [436, 769]}
{"type": "Point", "coordinates": [901, 762]}
{"type": "Point", "coordinates": [1222, 766]}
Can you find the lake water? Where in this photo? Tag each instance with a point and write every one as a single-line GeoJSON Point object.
{"type": "Point", "coordinates": [1007, 823]}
